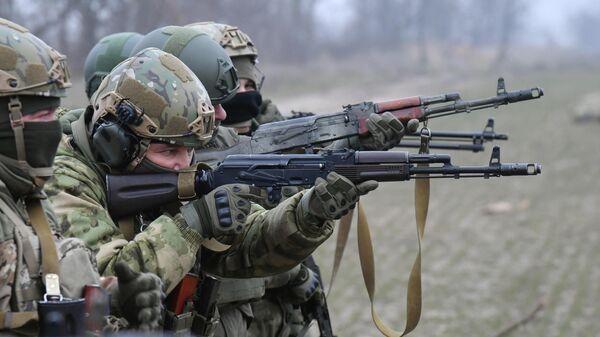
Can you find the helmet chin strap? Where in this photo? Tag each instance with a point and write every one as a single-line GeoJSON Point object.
{"type": "Point", "coordinates": [16, 123]}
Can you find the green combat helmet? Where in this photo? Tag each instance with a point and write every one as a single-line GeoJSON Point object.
{"type": "Point", "coordinates": [238, 46]}
{"type": "Point", "coordinates": [104, 56]}
{"type": "Point", "coordinates": [151, 96]}
{"type": "Point", "coordinates": [33, 77]}
{"type": "Point", "coordinates": [201, 54]}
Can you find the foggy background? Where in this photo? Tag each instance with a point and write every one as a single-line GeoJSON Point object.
{"type": "Point", "coordinates": [302, 31]}
{"type": "Point", "coordinates": [494, 249]}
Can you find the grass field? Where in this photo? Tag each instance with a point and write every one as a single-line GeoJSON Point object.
{"type": "Point", "coordinates": [483, 271]}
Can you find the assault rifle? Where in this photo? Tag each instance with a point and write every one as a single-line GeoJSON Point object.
{"type": "Point", "coordinates": [314, 130]}
{"type": "Point", "coordinates": [475, 138]}
{"type": "Point", "coordinates": [316, 308]}
{"type": "Point", "coordinates": [131, 194]}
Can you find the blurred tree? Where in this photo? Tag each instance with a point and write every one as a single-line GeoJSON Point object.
{"type": "Point", "coordinates": [584, 25]}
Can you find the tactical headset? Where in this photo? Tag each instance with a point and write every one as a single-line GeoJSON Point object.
{"type": "Point", "coordinates": [115, 143]}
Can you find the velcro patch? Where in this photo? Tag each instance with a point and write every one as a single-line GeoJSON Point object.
{"type": "Point", "coordinates": [176, 66]}
{"type": "Point", "coordinates": [143, 96]}
{"type": "Point", "coordinates": [8, 58]}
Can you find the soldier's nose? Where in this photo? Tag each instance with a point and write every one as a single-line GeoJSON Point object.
{"type": "Point", "coordinates": [220, 113]}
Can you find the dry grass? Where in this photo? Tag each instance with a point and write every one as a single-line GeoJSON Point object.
{"type": "Point", "coordinates": [483, 271]}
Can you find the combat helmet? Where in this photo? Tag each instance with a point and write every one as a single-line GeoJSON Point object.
{"type": "Point", "coordinates": [201, 54]}
{"type": "Point", "coordinates": [151, 96]}
{"type": "Point", "coordinates": [104, 56]}
{"type": "Point", "coordinates": [33, 77]}
{"type": "Point", "coordinates": [238, 46]}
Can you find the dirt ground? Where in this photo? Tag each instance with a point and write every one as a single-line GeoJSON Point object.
{"type": "Point", "coordinates": [494, 249]}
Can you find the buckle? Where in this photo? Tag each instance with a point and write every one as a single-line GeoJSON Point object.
{"type": "Point", "coordinates": [14, 107]}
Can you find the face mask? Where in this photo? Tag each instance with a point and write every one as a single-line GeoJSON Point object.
{"type": "Point", "coordinates": [41, 141]}
{"type": "Point", "coordinates": [242, 107]}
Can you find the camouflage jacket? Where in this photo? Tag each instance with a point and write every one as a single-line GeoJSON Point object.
{"type": "Point", "coordinates": [20, 260]}
{"type": "Point", "coordinates": [272, 241]}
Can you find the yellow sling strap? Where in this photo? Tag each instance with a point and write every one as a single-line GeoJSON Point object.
{"type": "Point", "coordinates": [367, 261]}
{"type": "Point", "coordinates": [40, 225]}
{"type": "Point", "coordinates": [127, 227]}
{"type": "Point", "coordinates": [342, 238]}
{"type": "Point", "coordinates": [49, 255]}
{"type": "Point", "coordinates": [14, 320]}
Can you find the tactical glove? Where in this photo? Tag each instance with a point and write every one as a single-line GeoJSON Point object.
{"type": "Point", "coordinates": [329, 200]}
{"type": "Point", "coordinates": [304, 286]}
{"type": "Point", "coordinates": [385, 132]}
{"type": "Point", "coordinates": [140, 297]}
{"type": "Point", "coordinates": [221, 214]}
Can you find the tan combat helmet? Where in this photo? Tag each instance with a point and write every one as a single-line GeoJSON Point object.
{"type": "Point", "coordinates": [238, 46]}
{"type": "Point", "coordinates": [151, 96]}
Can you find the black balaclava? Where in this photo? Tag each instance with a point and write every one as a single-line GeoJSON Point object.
{"type": "Point", "coordinates": [242, 107]}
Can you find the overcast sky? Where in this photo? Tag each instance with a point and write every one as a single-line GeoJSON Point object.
{"type": "Point", "coordinates": [548, 19]}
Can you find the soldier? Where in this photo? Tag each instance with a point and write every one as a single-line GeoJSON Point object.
{"type": "Point", "coordinates": [36, 262]}
{"type": "Point", "coordinates": [237, 294]}
{"type": "Point", "coordinates": [104, 56]}
{"type": "Point", "coordinates": [147, 116]}
{"type": "Point", "coordinates": [247, 109]}
{"type": "Point", "coordinates": [278, 313]}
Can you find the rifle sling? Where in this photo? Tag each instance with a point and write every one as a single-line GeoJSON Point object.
{"type": "Point", "coordinates": [14, 320]}
{"type": "Point", "coordinates": [127, 227]}
{"type": "Point", "coordinates": [367, 261]}
{"type": "Point", "coordinates": [40, 225]}
{"type": "Point", "coordinates": [367, 264]}
{"type": "Point", "coordinates": [39, 222]}
{"type": "Point", "coordinates": [340, 245]}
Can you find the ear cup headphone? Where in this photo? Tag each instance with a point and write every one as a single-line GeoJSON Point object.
{"type": "Point", "coordinates": [114, 142]}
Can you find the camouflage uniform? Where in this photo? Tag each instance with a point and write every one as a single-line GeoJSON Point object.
{"type": "Point", "coordinates": [244, 55]}
{"type": "Point", "coordinates": [273, 241]}
{"type": "Point", "coordinates": [33, 77]}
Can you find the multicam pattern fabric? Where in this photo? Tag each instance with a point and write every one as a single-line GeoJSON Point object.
{"type": "Point", "coordinates": [272, 241]}
{"type": "Point", "coordinates": [167, 247]}
{"type": "Point", "coordinates": [20, 262]}
{"type": "Point", "coordinates": [166, 91]}
{"type": "Point", "coordinates": [27, 64]}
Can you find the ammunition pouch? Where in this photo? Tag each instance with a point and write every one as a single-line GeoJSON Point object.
{"type": "Point", "coordinates": [241, 290]}
{"type": "Point", "coordinates": [205, 326]}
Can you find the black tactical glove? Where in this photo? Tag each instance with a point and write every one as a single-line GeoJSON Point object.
{"type": "Point", "coordinates": [329, 200]}
{"type": "Point", "coordinates": [140, 297]}
{"type": "Point", "coordinates": [385, 132]}
{"type": "Point", "coordinates": [221, 214]}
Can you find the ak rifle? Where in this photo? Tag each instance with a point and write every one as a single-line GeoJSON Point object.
{"type": "Point", "coordinates": [455, 140]}
{"type": "Point", "coordinates": [130, 194]}
{"type": "Point", "coordinates": [306, 132]}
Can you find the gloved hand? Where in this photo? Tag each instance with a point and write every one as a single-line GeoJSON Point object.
{"type": "Point", "coordinates": [329, 200]}
{"type": "Point", "coordinates": [385, 132]}
{"type": "Point", "coordinates": [140, 297]}
{"type": "Point", "coordinates": [221, 214]}
{"type": "Point", "coordinates": [304, 286]}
